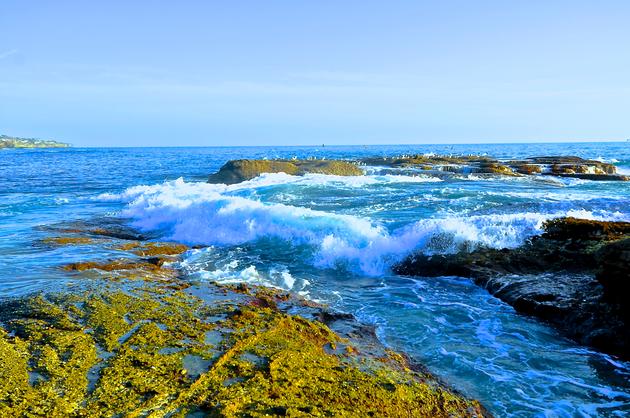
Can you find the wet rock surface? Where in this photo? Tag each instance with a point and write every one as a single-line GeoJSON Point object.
{"type": "Point", "coordinates": [575, 276]}
{"type": "Point", "coordinates": [104, 227]}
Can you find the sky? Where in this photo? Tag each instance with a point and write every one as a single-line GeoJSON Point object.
{"type": "Point", "coordinates": [205, 73]}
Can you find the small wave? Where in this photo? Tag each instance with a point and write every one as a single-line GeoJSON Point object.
{"type": "Point", "coordinates": [199, 213]}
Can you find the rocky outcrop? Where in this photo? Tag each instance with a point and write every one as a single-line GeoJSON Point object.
{"type": "Point", "coordinates": [561, 166]}
{"type": "Point", "coordinates": [576, 276]}
{"type": "Point", "coordinates": [236, 171]}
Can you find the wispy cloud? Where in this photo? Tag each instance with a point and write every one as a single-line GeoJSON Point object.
{"type": "Point", "coordinates": [8, 53]}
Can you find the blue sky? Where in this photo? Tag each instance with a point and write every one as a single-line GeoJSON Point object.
{"type": "Point", "coordinates": [122, 73]}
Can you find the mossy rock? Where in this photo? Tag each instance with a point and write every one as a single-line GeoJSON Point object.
{"type": "Point", "coordinates": [153, 249]}
{"type": "Point", "coordinates": [69, 240]}
{"type": "Point", "coordinates": [236, 171]}
{"type": "Point", "coordinates": [527, 168]}
{"type": "Point", "coordinates": [130, 354]}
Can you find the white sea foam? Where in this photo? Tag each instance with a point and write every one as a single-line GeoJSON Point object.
{"type": "Point", "coordinates": [199, 213]}
{"type": "Point", "coordinates": [606, 160]}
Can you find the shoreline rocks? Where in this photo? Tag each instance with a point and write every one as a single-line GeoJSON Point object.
{"type": "Point", "coordinates": [165, 346]}
{"type": "Point", "coordinates": [576, 276]}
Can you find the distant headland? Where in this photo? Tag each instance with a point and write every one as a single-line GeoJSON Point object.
{"type": "Point", "coordinates": [16, 142]}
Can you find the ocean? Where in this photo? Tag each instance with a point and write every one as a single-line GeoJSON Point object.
{"type": "Point", "coordinates": [334, 239]}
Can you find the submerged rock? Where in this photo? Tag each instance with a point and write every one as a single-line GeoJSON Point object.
{"type": "Point", "coordinates": [575, 276]}
{"type": "Point", "coordinates": [236, 171]}
{"type": "Point", "coordinates": [104, 227]}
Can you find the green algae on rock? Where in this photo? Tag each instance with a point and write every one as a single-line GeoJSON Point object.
{"type": "Point", "coordinates": [126, 353]}
{"type": "Point", "coordinates": [236, 171]}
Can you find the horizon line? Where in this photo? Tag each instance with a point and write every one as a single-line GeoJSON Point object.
{"type": "Point", "coordinates": [364, 145]}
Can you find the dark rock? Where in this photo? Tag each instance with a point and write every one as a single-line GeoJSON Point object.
{"type": "Point", "coordinates": [613, 272]}
{"type": "Point", "coordinates": [601, 177]}
{"type": "Point", "coordinates": [584, 229]}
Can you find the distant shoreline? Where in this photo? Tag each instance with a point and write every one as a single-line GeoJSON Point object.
{"type": "Point", "coordinates": [402, 144]}
{"type": "Point", "coordinates": [17, 142]}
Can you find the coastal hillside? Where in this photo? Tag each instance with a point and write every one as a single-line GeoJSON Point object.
{"type": "Point", "coordinates": [16, 142]}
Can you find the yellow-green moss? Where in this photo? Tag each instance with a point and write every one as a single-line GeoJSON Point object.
{"type": "Point", "coordinates": [14, 379]}
{"type": "Point", "coordinates": [133, 348]}
{"type": "Point", "coordinates": [151, 269]}
{"type": "Point", "coordinates": [59, 241]}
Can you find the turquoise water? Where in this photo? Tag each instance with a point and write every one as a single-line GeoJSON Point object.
{"type": "Point", "coordinates": [333, 239]}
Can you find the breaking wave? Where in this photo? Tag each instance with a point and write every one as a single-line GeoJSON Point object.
{"type": "Point", "coordinates": [207, 214]}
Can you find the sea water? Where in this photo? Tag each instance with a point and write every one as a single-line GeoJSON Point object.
{"type": "Point", "coordinates": [333, 239]}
